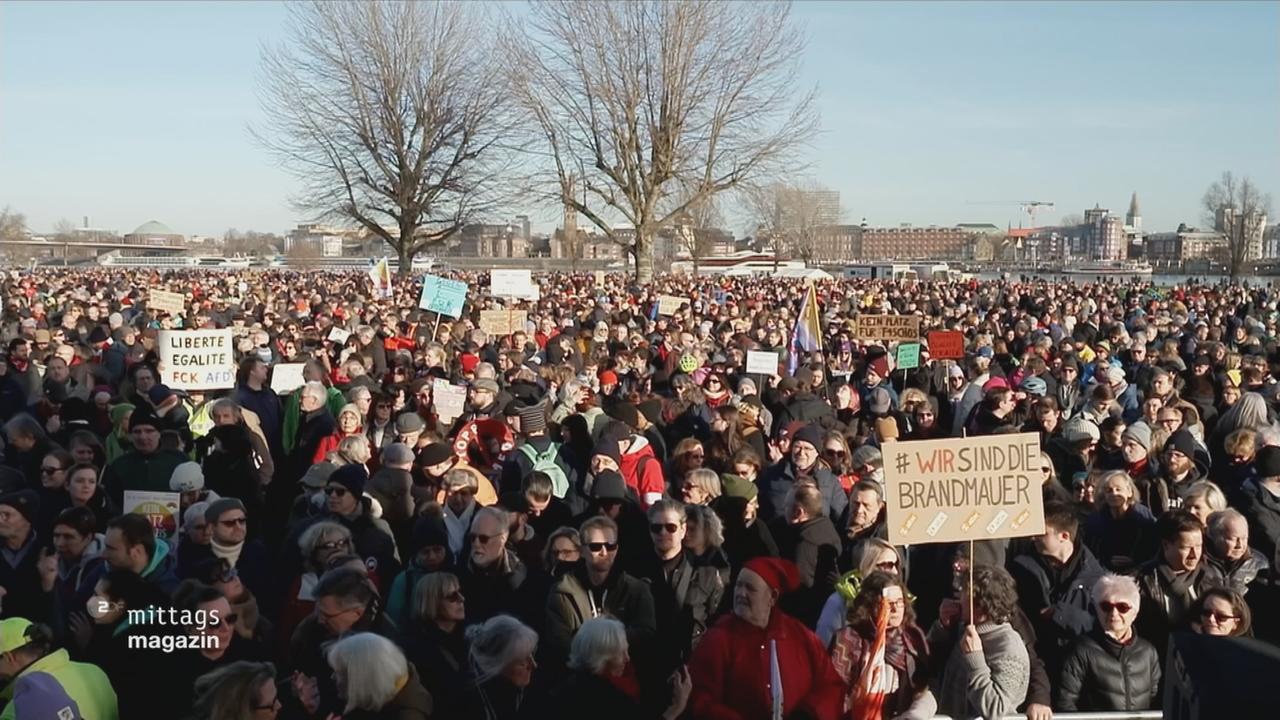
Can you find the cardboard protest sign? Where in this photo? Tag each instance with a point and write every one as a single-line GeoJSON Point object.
{"type": "Point", "coordinates": [287, 377]}
{"type": "Point", "coordinates": [502, 322]}
{"type": "Point", "coordinates": [338, 335]}
{"type": "Point", "coordinates": [449, 400]}
{"type": "Point", "coordinates": [670, 304]}
{"type": "Point", "coordinates": [976, 488]}
{"type": "Point", "coordinates": [197, 359]}
{"type": "Point", "coordinates": [908, 357]}
{"type": "Point", "coordinates": [888, 328]}
{"type": "Point", "coordinates": [599, 278]}
{"type": "Point", "coordinates": [443, 296]}
{"type": "Point", "coordinates": [167, 302]}
{"type": "Point", "coordinates": [946, 345]}
{"type": "Point", "coordinates": [762, 362]}
{"type": "Point", "coordinates": [513, 284]}
{"type": "Point", "coordinates": [161, 509]}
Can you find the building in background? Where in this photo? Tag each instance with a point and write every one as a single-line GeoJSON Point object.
{"type": "Point", "coordinates": [1255, 226]}
{"type": "Point", "coordinates": [917, 243]}
{"type": "Point", "coordinates": [497, 240]}
{"type": "Point", "coordinates": [1133, 229]}
{"type": "Point", "coordinates": [1187, 244]}
{"type": "Point", "coordinates": [154, 233]}
{"type": "Point", "coordinates": [794, 208]}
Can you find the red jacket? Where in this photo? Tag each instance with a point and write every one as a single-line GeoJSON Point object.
{"type": "Point", "coordinates": [730, 670]}
{"type": "Point", "coordinates": [643, 476]}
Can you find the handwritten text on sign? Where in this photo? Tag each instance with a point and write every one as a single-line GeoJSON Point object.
{"type": "Point", "coordinates": [443, 296]}
{"type": "Point", "coordinates": [946, 344]}
{"type": "Point", "coordinates": [503, 322]}
{"type": "Point", "coordinates": [889, 328]}
{"type": "Point", "coordinates": [976, 488]}
{"type": "Point", "coordinates": [197, 359]}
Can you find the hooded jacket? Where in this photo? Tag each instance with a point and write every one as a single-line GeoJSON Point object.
{"type": "Point", "coordinates": [642, 471]}
{"type": "Point", "coordinates": [84, 683]}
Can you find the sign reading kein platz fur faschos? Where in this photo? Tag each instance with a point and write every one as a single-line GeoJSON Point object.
{"type": "Point", "coordinates": [977, 488]}
{"type": "Point", "coordinates": [888, 328]}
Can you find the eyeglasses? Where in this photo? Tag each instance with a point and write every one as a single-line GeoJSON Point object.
{"type": "Point", "coordinates": [335, 490]}
{"type": "Point", "coordinates": [334, 545]}
{"type": "Point", "coordinates": [483, 539]}
{"type": "Point", "coordinates": [657, 528]}
{"type": "Point", "coordinates": [1107, 606]}
{"type": "Point", "coordinates": [231, 619]}
{"type": "Point", "coordinates": [1218, 617]}
{"type": "Point", "coordinates": [275, 703]}
{"type": "Point", "coordinates": [602, 546]}
{"type": "Point", "coordinates": [232, 522]}
{"type": "Point", "coordinates": [49, 470]}
{"type": "Point", "coordinates": [454, 597]}
{"type": "Point", "coordinates": [833, 452]}
{"type": "Point", "coordinates": [888, 565]}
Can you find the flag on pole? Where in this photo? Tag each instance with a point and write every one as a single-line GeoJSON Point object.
{"type": "Point", "coordinates": [775, 682]}
{"type": "Point", "coordinates": [868, 694]}
{"type": "Point", "coordinates": [380, 274]}
{"type": "Point", "coordinates": [806, 337]}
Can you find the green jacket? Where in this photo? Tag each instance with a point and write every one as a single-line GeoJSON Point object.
{"type": "Point", "coordinates": [135, 471]}
{"type": "Point", "coordinates": [83, 682]}
{"type": "Point", "coordinates": [293, 413]}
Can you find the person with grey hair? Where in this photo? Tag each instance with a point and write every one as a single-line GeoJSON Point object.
{"type": "Point", "coordinates": [315, 423]}
{"type": "Point", "coordinates": [26, 444]}
{"type": "Point", "coordinates": [392, 487]}
{"type": "Point", "coordinates": [362, 397]}
{"type": "Point", "coordinates": [1227, 536]}
{"type": "Point", "coordinates": [375, 681]}
{"type": "Point", "coordinates": [500, 665]}
{"type": "Point", "coordinates": [493, 576]}
{"type": "Point", "coordinates": [810, 540]}
{"type": "Point", "coordinates": [1111, 668]}
{"type": "Point", "coordinates": [599, 655]}
{"type": "Point", "coordinates": [704, 540]}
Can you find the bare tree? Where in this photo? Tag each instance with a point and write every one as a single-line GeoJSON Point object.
{"type": "Point", "coordinates": [638, 101]}
{"type": "Point", "coordinates": [1071, 220]}
{"type": "Point", "coordinates": [390, 115]}
{"type": "Point", "coordinates": [792, 215]}
{"type": "Point", "coordinates": [694, 230]}
{"type": "Point", "coordinates": [1238, 210]}
{"type": "Point", "coordinates": [250, 242]}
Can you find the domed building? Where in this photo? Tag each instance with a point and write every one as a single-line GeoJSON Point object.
{"type": "Point", "coordinates": [154, 233]}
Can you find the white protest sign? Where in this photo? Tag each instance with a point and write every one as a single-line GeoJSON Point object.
{"type": "Point", "coordinates": [513, 284]}
{"type": "Point", "coordinates": [338, 336]}
{"type": "Point", "coordinates": [449, 400]}
{"type": "Point", "coordinates": [670, 304]}
{"type": "Point", "coordinates": [197, 359]}
{"type": "Point", "coordinates": [762, 362]}
{"type": "Point", "coordinates": [168, 302]}
{"type": "Point", "coordinates": [160, 509]}
{"type": "Point", "coordinates": [287, 377]}
{"type": "Point", "coordinates": [975, 488]}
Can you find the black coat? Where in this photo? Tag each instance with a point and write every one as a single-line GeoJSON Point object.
{"type": "Point", "coordinates": [313, 428]}
{"type": "Point", "coordinates": [1262, 510]}
{"type": "Point", "coordinates": [803, 406]}
{"type": "Point", "coordinates": [441, 661]}
{"type": "Point", "coordinates": [501, 588]}
{"type": "Point", "coordinates": [570, 603]}
{"type": "Point", "coordinates": [1065, 594]}
{"type": "Point", "coordinates": [1102, 675]}
{"type": "Point", "coordinates": [685, 599]}
{"type": "Point", "coordinates": [1167, 600]}
{"type": "Point", "coordinates": [814, 546]}
{"type": "Point", "coordinates": [589, 697]}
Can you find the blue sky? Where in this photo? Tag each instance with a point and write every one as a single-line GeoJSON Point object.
{"type": "Point", "coordinates": [127, 112]}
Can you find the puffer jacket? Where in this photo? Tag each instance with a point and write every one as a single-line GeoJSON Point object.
{"type": "Point", "coordinates": [1239, 574]}
{"type": "Point", "coordinates": [1103, 675]}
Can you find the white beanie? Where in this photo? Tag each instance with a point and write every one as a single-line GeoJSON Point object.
{"type": "Point", "coordinates": [187, 477]}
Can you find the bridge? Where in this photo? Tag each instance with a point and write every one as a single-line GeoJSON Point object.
{"type": "Point", "coordinates": [67, 245]}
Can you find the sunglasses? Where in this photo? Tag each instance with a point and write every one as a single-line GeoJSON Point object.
{"type": "Point", "coordinates": [887, 565]}
{"type": "Point", "coordinates": [483, 539]}
{"type": "Point", "coordinates": [49, 470]}
{"type": "Point", "coordinates": [1218, 617]}
{"type": "Point", "coordinates": [833, 453]}
{"type": "Point", "coordinates": [334, 544]}
{"type": "Point", "coordinates": [454, 597]}
{"type": "Point", "coordinates": [602, 546]}
{"type": "Point", "coordinates": [657, 528]}
{"type": "Point", "coordinates": [233, 522]}
{"type": "Point", "coordinates": [1107, 606]}
{"type": "Point", "coordinates": [224, 620]}
{"type": "Point", "coordinates": [335, 490]}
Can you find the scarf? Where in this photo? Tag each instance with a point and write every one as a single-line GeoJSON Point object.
{"type": "Point", "coordinates": [230, 553]}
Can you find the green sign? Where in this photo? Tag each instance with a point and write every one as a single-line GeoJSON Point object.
{"type": "Point", "coordinates": [908, 356]}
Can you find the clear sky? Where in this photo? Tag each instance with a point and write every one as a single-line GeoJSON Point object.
{"type": "Point", "coordinates": [127, 112]}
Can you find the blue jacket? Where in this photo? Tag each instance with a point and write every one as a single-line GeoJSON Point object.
{"type": "Point", "coordinates": [780, 478]}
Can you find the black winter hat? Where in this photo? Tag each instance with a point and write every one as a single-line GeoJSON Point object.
{"type": "Point", "coordinates": [143, 416]}
{"type": "Point", "coordinates": [1267, 462]}
{"type": "Point", "coordinates": [1183, 442]}
{"type": "Point", "coordinates": [811, 434]}
{"type": "Point", "coordinates": [429, 531]}
{"type": "Point", "coordinates": [26, 502]}
{"type": "Point", "coordinates": [627, 413]}
{"type": "Point", "coordinates": [352, 477]}
{"type": "Point", "coordinates": [608, 448]}
{"type": "Point", "coordinates": [434, 454]}
{"type": "Point", "coordinates": [609, 485]}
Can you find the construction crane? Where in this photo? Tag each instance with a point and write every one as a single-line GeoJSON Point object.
{"type": "Point", "coordinates": [1030, 207]}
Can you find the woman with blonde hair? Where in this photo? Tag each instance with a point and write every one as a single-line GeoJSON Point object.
{"type": "Point", "coordinates": [1121, 530]}
{"type": "Point", "coordinates": [877, 556]}
{"type": "Point", "coordinates": [1203, 499]}
{"type": "Point", "coordinates": [350, 422]}
{"type": "Point", "coordinates": [700, 487]}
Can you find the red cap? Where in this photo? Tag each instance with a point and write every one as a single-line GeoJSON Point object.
{"type": "Point", "coordinates": [781, 575]}
{"type": "Point", "coordinates": [608, 377]}
{"type": "Point", "coordinates": [469, 362]}
{"type": "Point", "coordinates": [994, 383]}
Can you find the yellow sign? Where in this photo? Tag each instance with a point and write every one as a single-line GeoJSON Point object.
{"type": "Point", "coordinates": [977, 488]}
{"type": "Point", "coordinates": [889, 328]}
{"type": "Point", "coordinates": [169, 302]}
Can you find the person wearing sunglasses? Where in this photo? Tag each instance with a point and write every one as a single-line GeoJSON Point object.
{"type": "Point", "coordinates": [1054, 583]}
{"type": "Point", "coordinates": [1222, 612]}
{"type": "Point", "coordinates": [492, 576]}
{"type": "Point", "coordinates": [434, 640]}
{"type": "Point", "coordinates": [597, 586]}
{"type": "Point", "coordinates": [1111, 668]}
{"type": "Point", "coordinates": [228, 527]}
{"type": "Point", "coordinates": [685, 595]}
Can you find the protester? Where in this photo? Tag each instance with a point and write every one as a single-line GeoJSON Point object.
{"type": "Point", "coordinates": [1110, 668]}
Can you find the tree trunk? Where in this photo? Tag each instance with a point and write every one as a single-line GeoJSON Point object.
{"type": "Point", "coordinates": [406, 259]}
{"type": "Point", "coordinates": [643, 252]}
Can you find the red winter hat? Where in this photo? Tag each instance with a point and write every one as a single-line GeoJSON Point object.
{"type": "Point", "coordinates": [608, 377]}
{"type": "Point", "coordinates": [781, 575]}
{"type": "Point", "coordinates": [880, 366]}
{"type": "Point", "coordinates": [995, 383]}
{"type": "Point", "coordinates": [469, 362]}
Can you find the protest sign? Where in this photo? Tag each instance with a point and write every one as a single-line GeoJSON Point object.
{"type": "Point", "coordinates": [168, 302]}
{"type": "Point", "coordinates": [908, 356]}
{"type": "Point", "coordinates": [197, 359]}
{"type": "Point", "coordinates": [443, 296]}
{"type": "Point", "coordinates": [380, 276]}
{"type": "Point", "coordinates": [449, 400]}
{"type": "Point", "coordinates": [502, 322]}
{"type": "Point", "coordinates": [513, 284]}
{"type": "Point", "coordinates": [338, 335]}
{"type": "Point", "coordinates": [762, 362]}
{"type": "Point", "coordinates": [889, 328]}
{"type": "Point", "coordinates": [976, 488]}
{"type": "Point", "coordinates": [946, 345]}
{"type": "Point", "coordinates": [670, 304]}
{"type": "Point", "coordinates": [287, 377]}
{"type": "Point", "coordinates": [599, 278]}
{"type": "Point", "coordinates": [160, 508]}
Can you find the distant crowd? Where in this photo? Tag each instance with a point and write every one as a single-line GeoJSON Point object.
{"type": "Point", "coordinates": [620, 521]}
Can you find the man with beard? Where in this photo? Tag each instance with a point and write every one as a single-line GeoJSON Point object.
{"type": "Point", "coordinates": [493, 578]}
{"type": "Point", "coordinates": [1179, 470]}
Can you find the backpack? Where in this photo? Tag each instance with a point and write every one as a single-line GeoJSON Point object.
{"type": "Point", "coordinates": [545, 462]}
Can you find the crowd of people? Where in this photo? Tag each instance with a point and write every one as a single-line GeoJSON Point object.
{"type": "Point", "coordinates": [621, 520]}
